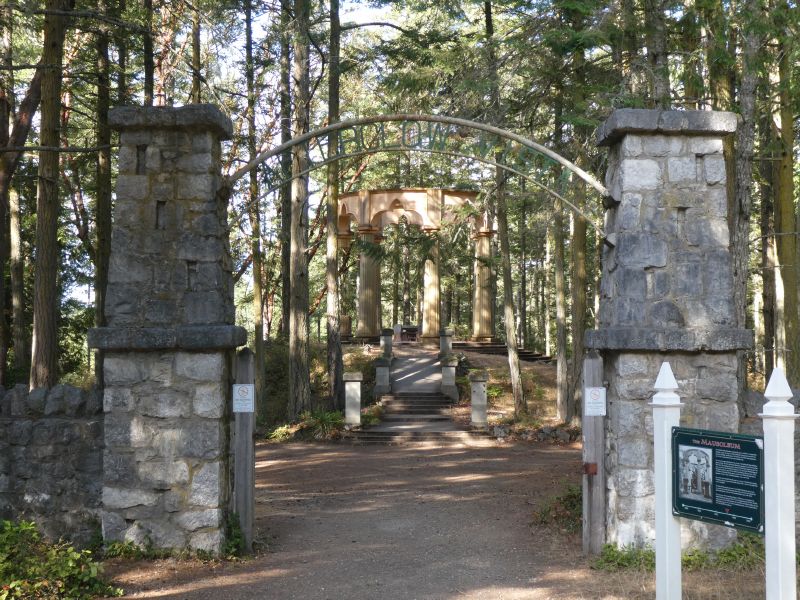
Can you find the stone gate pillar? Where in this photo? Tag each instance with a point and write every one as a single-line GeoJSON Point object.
{"type": "Point", "coordinates": [431, 301]}
{"type": "Point", "coordinates": [666, 295]}
{"type": "Point", "coordinates": [482, 301]}
{"type": "Point", "coordinates": [170, 337]}
{"type": "Point", "coordinates": [368, 289]}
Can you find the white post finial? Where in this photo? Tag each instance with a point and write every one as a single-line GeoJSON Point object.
{"type": "Point", "coordinates": [666, 415]}
{"type": "Point", "coordinates": [779, 519]}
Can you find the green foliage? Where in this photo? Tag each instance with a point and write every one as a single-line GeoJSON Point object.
{"type": "Point", "coordinates": [322, 424]}
{"type": "Point", "coordinates": [135, 552]}
{"type": "Point", "coordinates": [493, 391]}
{"type": "Point", "coordinates": [281, 433]}
{"type": "Point", "coordinates": [372, 415]}
{"type": "Point", "coordinates": [234, 542]}
{"type": "Point", "coordinates": [564, 511]}
{"type": "Point", "coordinates": [33, 568]}
{"type": "Point", "coordinates": [746, 553]}
{"type": "Point", "coordinates": [628, 558]}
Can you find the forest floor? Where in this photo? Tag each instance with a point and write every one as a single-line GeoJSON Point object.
{"type": "Point", "coordinates": [344, 522]}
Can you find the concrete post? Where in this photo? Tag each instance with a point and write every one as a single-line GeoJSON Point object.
{"type": "Point", "coordinates": [779, 509]}
{"type": "Point", "coordinates": [398, 332]}
{"type": "Point", "coordinates": [666, 415]}
{"type": "Point", "coordinates": [386, 342]}
{"type": "Point", "coordinates": [445, 342]}
{"type": "Point", "coordinates": [352, 397]}
{"type": "Point", "coordinates": [367, 294]}
{"type": "Point", "coordinates": [382, 378]}
{"type": "Point", "coordinates": [478, 381]}
{"type": "Point", "coordinates": [482, 323]}
{"type": "Point", "coordinates": [170, 337]}
{"type": "Point", "coordinates": [666, 294]}
{"type": "Point", "coordinates": [449, 388]}
{"type": "Point", "coordinates": [431, 299]}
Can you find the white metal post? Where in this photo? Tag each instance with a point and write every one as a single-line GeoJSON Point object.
{"type": "Point", "coordinates": [778, 417]}
{"type": "Point", "coordinates": [666, 415]}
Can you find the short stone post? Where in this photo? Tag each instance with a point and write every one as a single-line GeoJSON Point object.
{"type": "Point", "coordinates": [478, 381]}
{"type": "Point", "coordinates": [779, 519]}
{"type": "Point", "coordinates": [449, 388]}
{"type": "Point", "coordinates": [398, 332]}
{"type": "Point", "coordinates": [386, 342]}
{"type": "Point", "coordinates": [352, 398]}
{"type": "Point", "coordinates": [666, 415]}
{"type": "Point", "coordinates": [382, 382]}
{"type": "Point", "coordinates": [445, 342]}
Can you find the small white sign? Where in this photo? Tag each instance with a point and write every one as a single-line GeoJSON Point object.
{"type": "Point", "coordinates": [244, 395]}
{"type": "Point", "coordinates": [594, 399]}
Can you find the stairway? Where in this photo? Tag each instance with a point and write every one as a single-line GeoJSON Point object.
{"type": "Point", "coordinates": [492, 348]}
{"type": "Point", "coordinates": [415, 417]}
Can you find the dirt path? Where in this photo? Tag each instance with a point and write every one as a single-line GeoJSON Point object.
{"type": "Point", "coordinates": [350, 522]}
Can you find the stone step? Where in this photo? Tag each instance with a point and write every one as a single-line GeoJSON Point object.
{"type": "Point", "coordinates": [414, 417]}
{"type": "Point", "coordinates": [405, 437]}
{"type": "Point", "coordinates": [417, 410]}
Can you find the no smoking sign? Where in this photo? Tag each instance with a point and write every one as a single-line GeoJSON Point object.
{"type": "Point", "coordinates": [243, 398]}
{"type": "Point", "coordinates": [594, 401]}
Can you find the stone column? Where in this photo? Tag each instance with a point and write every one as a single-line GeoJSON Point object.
{"type": "Point", "coordinates": [666, 295]}
{"type": "Point", "coordinates": [352, 397]}
{"type": "Point", "coordinates": [482, 322]}
{"type": "Point", "coordinates": [170, 337]}
{"type": "Point", "coordinates": [445, 342]}
{"type": "Point", "coordinates": [368, 290]}
{"type": "Point", "coordinates": [449, 388]}
{"type": "Point", "coordinates": [383, 382]}
{"type": "Point", "coordinates": [386, 342]}
{"type": "Point", "coordinates": [478, 381]}
{"type": "Point", "coordinates": [431, 299]}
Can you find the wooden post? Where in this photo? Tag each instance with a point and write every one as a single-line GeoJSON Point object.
{"type": "Point", "coordinates": [244, 459]}
{"type": "Point", "coordinates": [779, 541]}
{"type": "Point", "coordinates": [594, 454]}
{"type": "Point", "coordinates": [666, 415]}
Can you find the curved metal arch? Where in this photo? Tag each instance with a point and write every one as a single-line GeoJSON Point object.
{"type": "Point", "coordinates": [400, 117]}
{"type": "Point", "coordinates": [587, 217]}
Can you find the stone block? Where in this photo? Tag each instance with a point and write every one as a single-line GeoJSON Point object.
{"type": "Point", "coordinates": [199, 162]}
{"type": "Point", "coordinates": [682, 169]}
{"type": "Point", "coordinates": [163, 475]}
{"type": "Point", "coordinates": [631, 283]}
{"type": "Point", "coordinates": [20, 432]}
{"type": "Point", "coordinates": [196, 186]}
{"type": "Point", "coordinates": [207, 541]}
{"type": "Point", "coordinates": [132, 187]}
{"type": "Point", "coordinates": [209, 400]}
{"type": "Point", "coordinates": [201, 248]}
{"type": "Point", "coordinates": [641, 250]}
{"type": "Point", "coordinates": [631, 146]}
{"type": "Point", "coordinates": [167, 402]}
{"type": "Point", "coordinates": [705, 145]}
{"type": "Point", "coordinates": [75, 401]}
{"type": "Point", "coordinates": [198, 366]}
{"type": "Point", "coordinates": [628, 211]}
{"type": "Point", "coordinates": [201, 439]}
{"type": "Point", "coordinates": [206, 487]}
{"type": "Point", "coordinates": [659, 283]}
{"type": "Point", "coordinates": [640, 174]}
{"type": "Point", "coordinates": [193, 520]}
{"type": "Point", "coordinates": [714, 169]}
{"type": "Point", "coordinates": [687, 280]}
{"type": "Point", "coordinates": [637, 483]}
{"type": "Point", "coordinates": [117, 398]}
{"type": "Point", "coordinates": [113, 526]}
{"type": "Point", "coordinates": [119, 498]}
{"type": "Point", "coordinates": [36, 401]}
{"type": "Point", "coordinates": [204, 308]}
{"type": "Point", "coordinates": [123, 369]}
{"type": "Point", "coordinates": [119, 467]}
{"type": "Point", "coordinates": [662, 145]}
{"type": "Point", "coordinates": [631, 364]}
{"type": "Point", "coordinates": [126, 160]}
{"type": "Point", "coordinates": [633, 452]}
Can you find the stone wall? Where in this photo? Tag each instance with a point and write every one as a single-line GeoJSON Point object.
{"type": "Point", "coordinates": [170, 337]}
{"type": "Point", "coordinates": [51, 450]}
{"type": "Point", "coordinates": [666, 295]}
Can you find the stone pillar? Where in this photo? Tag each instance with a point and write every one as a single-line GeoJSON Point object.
{"type": "Point", "coordinates": [431, 299]}
{"type": "Point", "coordinates": [445, 342]}
{"type": "Point", "coordinates": [382, 377]}
{"type": "Point", "coordinates": [449, 388]}
{"type": "Point", "coordinates": [386, 342]}
{"type": "Point", "coordinates": [482, 322]}
{"type": "Point", "coordinates": [368, 290]}
{"type": "Point", "coordinates": [666, 295]}
{"type": "Point", "coordinates": [352, 397]}
{"type": "Point", "coordinates": [478, 381]}
{"type": "Point", "coordinates": [170, 337]}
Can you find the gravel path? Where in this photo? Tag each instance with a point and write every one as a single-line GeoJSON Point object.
{"type": "Point", "coordinates": [360, 522]}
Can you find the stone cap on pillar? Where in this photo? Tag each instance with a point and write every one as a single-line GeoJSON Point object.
{"type": "Point", "coordinates": [451, 360]}
{"type": "Point", "coordinates": [669, 339]}
{"type": "Point", "coordinates": [382, 361]}
{"type": "Point", "coordinates": [188, 337]}
{"type": "Point", "coordinates": [479, 375]}
{"type": "Point", "coordinates": [387, 331]}
{"type": "Point", "coordinates": [194, 116]}
{"type": "Point", "coordinates": [353, 376]}
{"type": "Point", "coordinates": [446, 331]}
{"type": "Point", "coordinates": [669, 122]}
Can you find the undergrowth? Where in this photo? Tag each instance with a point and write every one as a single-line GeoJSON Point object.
{"type": "Point", "coordinates": [564, 511]}
{"type": "Point", "coordinates": [33, 568]}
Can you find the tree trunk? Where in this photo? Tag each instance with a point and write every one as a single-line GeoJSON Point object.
{"type": "Point", "coordinates": [522, 329]}
{"type": "Point", "coordinates": [195, 93]}
{"type": "Point", "coordinates": [103, 200]}
{"type": "Point", "coordinates": [44, 361]}
{"type": "Point", "coordinates": [22, 350]}
{"type": "Point", "coordinates": [254, 214]}
{"type": "Point", "coordinates": [768, 252]}
{"type": "Point", "coordinates": [656, 36]}
{"type": "Point", "coordinates": [334, 346]}
{"type": "Point", "coordinates": [149, 64]}
{"type": "Point", "coordinates": [6, 102]}
{"type": "Point", "coordinates": [286, 161]}
{"type": "Point", "coordinates": [121, 42]}
{"type": "Point", "coordinates": [785, 224]}
{"type": "Point", "coordinates": [299, 378]}
{"type": "Point", "coordinates": [546, 293]}
{"type": "Point", "coordinates": [717, 59]}
{"type": "Point", "coordinates": [406, 286]}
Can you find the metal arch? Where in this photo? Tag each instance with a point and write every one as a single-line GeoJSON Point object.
{"type": "Point", "coordinates": [587, 217]}
{"type": "Point", "coordinates": [230, 180]}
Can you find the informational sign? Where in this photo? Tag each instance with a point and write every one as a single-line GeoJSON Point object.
{"type": "Point", "coordinates": [595, 401]}
{"type": "Point", "coordinates": [244, 397]}
{"type": "Point", "coordinates": [718, 477]}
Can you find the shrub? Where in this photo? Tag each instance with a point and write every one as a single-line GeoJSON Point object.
{"type": "Point", "coordinates": [628, 558]}
{"type": "Point", "coordinates": [33, 568]}
{"type": "Point", "coordinates": [564, 511]}
{"type": "Point", "coordinates": [321, 424]}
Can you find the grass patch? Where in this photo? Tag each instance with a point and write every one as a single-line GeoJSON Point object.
{"type": "Point", "coordinates": [564, 511]}
{"type": "Point", "coordinates": [625, 559]}
{"type": "Point", "coordinates": [33, 568]}
{"type": "Point", "coordinates": [322, 424]}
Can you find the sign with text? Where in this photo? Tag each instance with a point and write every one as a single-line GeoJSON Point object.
{"type": "Point", "coordinates": [244, 398]}
{"type": "Point", "coordinates": [595, 401]}
{"type": "Point", "coordinates": [718, 477]}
